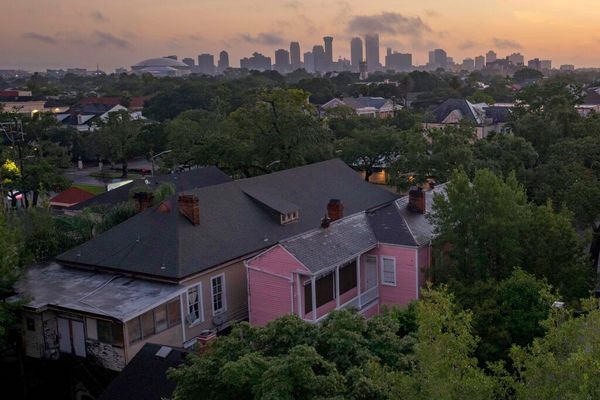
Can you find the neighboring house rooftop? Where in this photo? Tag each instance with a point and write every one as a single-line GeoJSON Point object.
{"type": "Point", "coordinates": [70, 197]}
{"type": "Point", "coordinates": [145, 377]}
{"type": "Point", "coordinates": [452, 111]}
{"type": "Point", "coordinates": [185, 180]}
{"type": "Point", "coordinates": [361, 102]}
{"type": "Point", "coordinates": [162, 242]}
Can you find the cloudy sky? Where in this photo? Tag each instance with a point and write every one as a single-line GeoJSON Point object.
{"type": "Point", "coordinates": [40, 34]}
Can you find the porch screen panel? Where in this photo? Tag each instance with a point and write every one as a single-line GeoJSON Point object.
{"type": "Point", "coordinates": [324, 292]}
{"type": "Point", "coordinates": [348, 277]}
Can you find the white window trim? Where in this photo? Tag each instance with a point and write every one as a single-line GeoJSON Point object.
{"type": "Point", "coordinates": [212, 295]}
{"type": "Point", "coordinates": [383, 282]}
{"type": "Point", "coordinates": [200, 304]}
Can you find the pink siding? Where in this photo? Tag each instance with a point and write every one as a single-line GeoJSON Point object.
{"type": "Point", "coordinates": [330, 306]}
{"type": "Point", "coordinates": [406, 275]}
{"type": "Point", "coordinates": [373, 310]}
{"type": "Point", "coordinates": [270, 292]}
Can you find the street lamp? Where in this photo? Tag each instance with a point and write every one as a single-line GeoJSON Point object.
{"type": "Point", "coordinates": [158, 155]}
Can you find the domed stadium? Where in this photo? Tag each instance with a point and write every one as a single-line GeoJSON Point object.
{"type": "Point", "coordinates": [161, 67]}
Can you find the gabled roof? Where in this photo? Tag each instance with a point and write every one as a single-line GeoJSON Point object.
{"type": "Point", "coordinates": [342, 241]}
{"type": "Point", "coordinates": [186, 180]}
{"type": "Point", "coordinates": [161, 242]}
{"type": "Point", "coordinates": [72, 195]}
{"type": "Point", "coordinates": [357, 102]}
{"type": "Point", "coordinates": [459, 108]}
{"type": "Point", "coordinates": [145, 377]}
{"type": "Point", "coordinates": [323, 248]}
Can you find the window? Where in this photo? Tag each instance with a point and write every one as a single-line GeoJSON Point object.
{"type": "Point", "coordinates": [160, 318]}
{"type": "Point", "coordinates": [388, 271]}
{"type": "Point", "coordinates": [194, 296]}
{"type": "Point", "coordinates": [219, 303]}
{"type": "Point", "coordinates": [348, 277]}
{"type": "Point", "coordinates": [30, 324]}
{"type": "Point", "coordinates": [109, 332]}
{"type": "Point", "coordinates": [154, 321]}
{"type": "Point", "coordinates": [173, 313]}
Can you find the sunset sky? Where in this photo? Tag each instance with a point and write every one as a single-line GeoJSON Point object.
{"type": "Point", "coordinates": [40, 34]}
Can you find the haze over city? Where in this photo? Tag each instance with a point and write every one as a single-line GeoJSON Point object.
{"type": "Point", "coordinates": [44, 34]}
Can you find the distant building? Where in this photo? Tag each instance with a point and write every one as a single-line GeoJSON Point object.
{"type": "Point", "coordinates": [356, 53]}
{"type": "Point", "coordinates": [365, 106]}
{"type": "Point", "coordinates": [189, 61]}
{"type": "Point", "coordinates": [398, 61]}
{"type": "Point", "coordinates": [206, 64]}
{"type": "Point", "coordinates": [282, 61]}
{"type": "Point", "coordinates": [77, 71]}
{"type": "Point", "coordinates": [161, 67]}
{"type": "Point", "coordinates": [468, 64]}
{"type": "Point", "coordinates": [479, 63]}
{"type": "Point", "coordinates": [567, 68]}
{"type": "Point", "coordinates": [490, 57]}
{"type": "Point", "coordinates": [223, 62]}
{"type": "Point", "coordinates": [172, 57]}
{"type": "Point", "coordinates": [438, 59]}
{"type": "Point", "coordinates": [309, 62]}
{"type": "Point", "coordinates": [372, 52]}
{"type": "Point", "coordinates": [295, 61]}
{"type": "Point", "coordinates": [320, 59]}
{"type": "Point", "coordinates": [15, 95]}
{"type": "Point", "coordinates": [257, 62]}
{"type": "Point", "coordinates": [535, 64]}
{"type": "Point", "coordinates": [328, 40]}
{"type": "Point", "coordinates": [120, 71]}
{"type": "Point", "coordinates": [342, 64]}
{"type": "Point", "coordinates": [89, 113]}
{"type": "Point", "coordinates": [546, 65]}
{"type": "Point", "coordinates": [516, 59]}
{"type": "Point", "coordinates": [363, 70]}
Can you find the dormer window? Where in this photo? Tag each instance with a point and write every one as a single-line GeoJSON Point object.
{"type": "Point", "coordinates": [289, 217]}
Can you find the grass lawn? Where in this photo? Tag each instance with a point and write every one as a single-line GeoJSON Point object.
{"type": "Point", "coordinates": [90, 188]}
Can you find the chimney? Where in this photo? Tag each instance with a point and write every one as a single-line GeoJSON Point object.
{"type": "Point", "coordinates": [190, 208]}
{"type": "Point", "coordinates": [143, 201]}
{"type": "Point", "coordinates": [205, 340]}
{"type": "Point", "coordinates": [335, 210]}
{"type": "Point", "coordinates": [416, 200]}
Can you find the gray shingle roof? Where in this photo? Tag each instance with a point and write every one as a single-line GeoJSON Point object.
{"type": "Point", "coordinates": [462, 105]}
{"type": "Point", "coordinates": [340, 242]}
{"type": "Point", "coordinates": [185, 180]}
{"type": "Point", "coordinates": [420, 228]}
{"type": "Point", "coordinates": [232, 224]}
{"type": "Point", "coordinates": [390, 227]}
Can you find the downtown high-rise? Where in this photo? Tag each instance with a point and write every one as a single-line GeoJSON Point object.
{"type": "Point", "coordinates": [372, 52]}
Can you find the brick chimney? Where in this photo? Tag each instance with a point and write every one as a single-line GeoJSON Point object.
{"type": "Point", "coordinates": [143, 201]}
{"type": "Point", "coordinates": [190, 208]}
{"type": "Point", "coordinates": [416, 200]}
{"type": "Point", "coordinates": [335, 210]}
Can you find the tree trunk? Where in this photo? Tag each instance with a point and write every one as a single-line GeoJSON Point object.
{"type": "Point", "coordinates": [595, 245]}
{"type": "Point", "coordinates": [124, 166]}
{"type": "Point", "coordinates": [368, 173]}
{"type": "Point", "coordinates": [34, 200]}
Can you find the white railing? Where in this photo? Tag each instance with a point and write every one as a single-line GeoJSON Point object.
{"type": "Point", "coordinates": [366, 299]}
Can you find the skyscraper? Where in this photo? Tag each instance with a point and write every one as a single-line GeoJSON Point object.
{"type": "Point", "coordinates": [257, 62]}
{"type": "Point", "coordinates": [223, 61]}
{"type": "Point", "coordinates": [356, 53]}
{"type": "Point", "coordinates": [206, 64]}
{"type": "Point", "coordinates": [516, 59]}
{"type": "Point", "coordinates": [438, 59]}
{"type": "Point", "coordinates": [546, 64]}
{"type": "Point", "coordinates": [328, 40]}
{"type": "Point", "coordinates": [320, 59]}
{"type": "Point", "coordinates": [189, 61]}
{"type": "Point", "coordinates": [398, 61]}
{"type": "Point", "coordinates": [479, 62]}
{"type": "Point", "coordinates": [372, 52]}
{"type": "Point", "coordinates": [309, 62]}
{"type": "Point", "coordinates": [282, 61]}
{"type": "Point", "coordinates": [490, 57]}
{"type": "Point", "coordinates": [295, 56]}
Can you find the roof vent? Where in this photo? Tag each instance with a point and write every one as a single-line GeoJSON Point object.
{"type": "Point", "coordinates": [163, 352]}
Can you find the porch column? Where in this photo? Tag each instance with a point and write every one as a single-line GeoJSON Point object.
{"type": "Point", "coordinates": [358, 282]}
{"type": "Point", "coordinates": [337, 287]}
{"type": "Point", "coordinates": [299, 295]}
{"type": "Point", "coordinates": [313, 293]}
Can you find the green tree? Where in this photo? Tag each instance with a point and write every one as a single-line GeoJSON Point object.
{"type": "Point", "coordinates": [120, 138]}
{"type": "Point", "coordinates": [369, 149]}
{"type": "Point", "coordinates": [444, 364]}
{"type": "Point", "coordinates": [564, 364]}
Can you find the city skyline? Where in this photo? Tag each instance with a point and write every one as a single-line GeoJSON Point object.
{"type": "Point", "coordinates": [70, 34]}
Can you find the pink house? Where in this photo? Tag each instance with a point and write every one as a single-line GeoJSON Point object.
{"type": "Point", "coordinates": [364, 260]}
